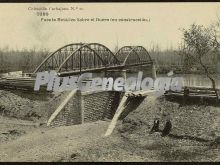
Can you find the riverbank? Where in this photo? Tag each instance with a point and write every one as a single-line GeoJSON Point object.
{"type": "Point", "coordinates": [194, 137]}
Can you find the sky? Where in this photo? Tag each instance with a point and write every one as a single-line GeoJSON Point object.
{"type": "Point", "coordinates": [21, 28]}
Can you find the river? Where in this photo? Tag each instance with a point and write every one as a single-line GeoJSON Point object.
{"type": "Point", "coordinates": [191, 80]}
{"type": "Point", "coordinates": [199, 80]}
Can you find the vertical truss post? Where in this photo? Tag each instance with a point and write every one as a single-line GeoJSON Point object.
{"type": "Point", "coordinates": [80, 61]}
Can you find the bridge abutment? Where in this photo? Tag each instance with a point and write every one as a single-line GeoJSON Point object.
{"type": "Point", "coordinates": [86, 107]}
{"type": "Point", "coordinates": [91, 106]}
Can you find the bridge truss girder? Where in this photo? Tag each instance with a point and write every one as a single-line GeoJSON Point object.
{"type": "Point", "coordinates": [82, 57]}
{"type": "Point", "coordinates": [78, 56]}
{"type": "Point", "coordinates": [128, 55]}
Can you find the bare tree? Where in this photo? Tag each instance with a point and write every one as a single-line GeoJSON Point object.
{"type": "Point", "coordinates": [199, 43]}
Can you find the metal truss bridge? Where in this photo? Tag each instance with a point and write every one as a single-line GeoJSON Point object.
{"type": "Point", "coordinates": [78, 58]}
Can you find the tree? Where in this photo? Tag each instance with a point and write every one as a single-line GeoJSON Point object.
{"type": "Point", "coordinates": [200, 43]}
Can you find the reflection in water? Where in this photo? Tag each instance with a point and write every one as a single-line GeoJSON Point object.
{"type": "Point", "coordinates": [199, 80]}
{"type": "Point", "coordinates": [192, 80]}
{"type": "Point", "coordinates": [195, 80]}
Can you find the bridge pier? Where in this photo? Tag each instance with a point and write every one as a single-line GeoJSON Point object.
{"type": "Point", "coordinates": [86, 107]}
{"type": "Point", "coordinates": [97, 105]}
{"type": "Point", "coordinates": [154, 71]}
{"type": "Point", "coordinates": [92, 106]}
{"type": "Point", "coordinates": [116, 73]}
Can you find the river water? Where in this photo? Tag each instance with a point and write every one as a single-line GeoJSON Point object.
{"type": "Point", "coordinates": [193, 80]}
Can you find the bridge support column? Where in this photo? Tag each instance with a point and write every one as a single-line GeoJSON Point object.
{"type": "Point", "coordinates": [116, 73]}
{"type": "Point", "coordinates": [154, 72]}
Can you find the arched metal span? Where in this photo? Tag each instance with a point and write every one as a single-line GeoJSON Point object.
{"type": "Point", "coordinates": [82, 57]}
{"type": "Point", "coordinates": [130, 55]}
{"type": "Point", "coordinates": [78, 56]}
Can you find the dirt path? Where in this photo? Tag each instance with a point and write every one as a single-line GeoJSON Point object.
{"type": "Point", "coordinates": [52, 144]}
{"type": "Point", "coordinates": [13, 128]}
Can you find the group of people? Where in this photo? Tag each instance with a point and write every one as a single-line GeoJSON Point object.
{"type": "Point", "coordinates": [167, 126]}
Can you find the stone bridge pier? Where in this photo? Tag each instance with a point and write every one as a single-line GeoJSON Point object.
{"type": "Point", "coordinates": [91, 106]}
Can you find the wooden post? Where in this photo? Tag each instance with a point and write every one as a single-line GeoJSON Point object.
{"type": "Point", "coordinates": [118, 112]}
{"type": "Point", "coordinates": [122, 107]}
